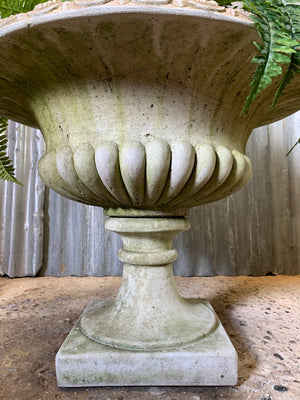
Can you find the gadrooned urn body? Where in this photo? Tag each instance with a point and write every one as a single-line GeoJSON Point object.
{"type": "Point", "coordinates": [140, 106]}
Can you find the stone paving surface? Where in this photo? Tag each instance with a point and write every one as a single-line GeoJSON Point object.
{"type": "Point", "coordinates": [261, 316]}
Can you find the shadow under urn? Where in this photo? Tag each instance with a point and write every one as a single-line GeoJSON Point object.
{"type": "Point", "coordinates": [140, 107]}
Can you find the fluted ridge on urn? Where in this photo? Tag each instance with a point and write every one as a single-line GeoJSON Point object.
{"type": "Point", "coordinates": [155, 176]}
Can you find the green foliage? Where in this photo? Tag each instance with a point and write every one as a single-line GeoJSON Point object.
{"type": "Point", "coordinates": [224, 2]}
{"type": "Point", "coordinates": [279, 45]}
{"type": "Point", "coordinates": [292, 148]}
{"type": "Point", "coordinates": [11, 7]}
{"type": "Point", "coordinates": [6, 168]}
{"type": "Point", "coordinates": [278, 24]}
{"type": "Point", "coordinates": [293, 14]}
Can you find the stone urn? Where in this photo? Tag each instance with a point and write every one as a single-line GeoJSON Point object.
{"type": "Point", "coordinates": [140, 107]}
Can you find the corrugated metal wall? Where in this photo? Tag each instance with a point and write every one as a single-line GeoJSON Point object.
{"type": "Point", "coordinates": [22, 207]}
{"type": "Point", "coordinates": [252, 232]}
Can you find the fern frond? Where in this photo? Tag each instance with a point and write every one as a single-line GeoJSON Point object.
{"type": "Point", "coordinates": [11, 7]}
{"type": "Point", "coordinates": [292, 10]}
{"type": "Point", "coordinates": [278, 45]}
{"type": "Point", "coordinates": [223, 2]}
{"type": "Point", "coordinates": [292, 148]}
{"type": "Point", "coordinates": [6, 167]}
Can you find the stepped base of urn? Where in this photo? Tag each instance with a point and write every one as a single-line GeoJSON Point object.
{"type": "Point", "coordinates": [209, 361]}
{"type": "Point", "coordinates": [148, 334]}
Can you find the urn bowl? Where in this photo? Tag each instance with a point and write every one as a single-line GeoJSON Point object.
{"type": "Point", "coordinates": [140, 105]}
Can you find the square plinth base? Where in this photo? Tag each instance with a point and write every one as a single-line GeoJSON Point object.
{"type": "Point", "coordinates": [211, 361]}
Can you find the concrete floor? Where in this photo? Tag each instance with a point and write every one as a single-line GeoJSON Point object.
{"type": "Point", "coordinates": [261, 316]}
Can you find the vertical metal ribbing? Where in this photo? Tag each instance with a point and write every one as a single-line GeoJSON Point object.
{"type": "Point", "coordinates": [21, 207]}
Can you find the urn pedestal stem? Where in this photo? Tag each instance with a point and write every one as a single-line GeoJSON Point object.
{"type": "Point", "coordinates": [148, 312]}
{"type": "Point", "coordinates": [149, 334]}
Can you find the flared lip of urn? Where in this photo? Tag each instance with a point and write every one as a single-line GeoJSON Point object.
{"type": "Point", "coordinates": [54, 15]}
{"type": "Point", "coordinates": [56, 10]}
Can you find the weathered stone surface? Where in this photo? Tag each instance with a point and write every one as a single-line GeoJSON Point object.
{"type": "Point", "coordinates": [157, 176]}
{"type": "Point", "coordinates": [149, 334]}
{"type": "Point", "coordinates": [209, 361]}
{"type": "Point", "coordinates": [148, 313]}
{"type": "Point", "coordinates": [140, 108]}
